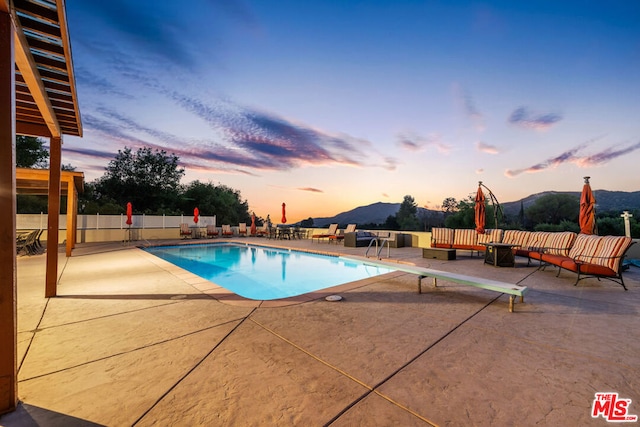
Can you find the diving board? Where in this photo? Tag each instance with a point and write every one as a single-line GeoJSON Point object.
{"type": "Point", "coordinates": [512, 289]}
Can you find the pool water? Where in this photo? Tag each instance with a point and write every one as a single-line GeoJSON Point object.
{"type": "Point", "coordinates": [263, 273]}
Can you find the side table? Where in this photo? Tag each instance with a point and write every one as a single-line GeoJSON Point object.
{"type": "Point", "coordinates": [499, 254]}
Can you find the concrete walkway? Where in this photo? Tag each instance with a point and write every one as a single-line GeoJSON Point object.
{"type": "Point", "coordinates": [132, 340]}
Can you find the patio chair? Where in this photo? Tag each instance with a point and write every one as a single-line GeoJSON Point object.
{"type": "Point", "coordinates": [333, 228]}
{"type": "Point", "coordinates": [212, 231]}
{"type": "Point", "coordinates": [263, 231]}
{"type": "Point", "coordinates": [226, 230]}
{"type": "Point", "coordinates": [185, 231]}
{"type": "Point", "coordinates": [28, 243]}
{"type": "Point", "coordinates": [340, 236]}
{"type": "Point", "coordinates": [242, 229]}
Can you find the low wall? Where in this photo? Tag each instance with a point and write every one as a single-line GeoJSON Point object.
{"type": "Point", "coordinates": [416, 239]}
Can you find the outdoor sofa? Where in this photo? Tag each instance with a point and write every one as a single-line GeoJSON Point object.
{"type": "Point", "coordinates": [585, 254]}
{"type": "Point", "coordinates": [359, 239]}
{"type": "Point", "coordinates": [363, 238]}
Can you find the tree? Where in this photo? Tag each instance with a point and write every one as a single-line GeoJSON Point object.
{"type": "Point", "coordinates": [308, 223]}
{"type": "Point", "coordinates": [222, 201]}
{"type": "Point", "coordinates": [30, 153]}
{"type": "Point", "coordinates": [391, 223]}
{"type": "Point", "coordinates": [463, 216]}
{"type": "Point", "coordinates": [90, 203]}
{"type": "Point", "coordinates": [449, 205]}
{"type": "Point", "coordinates": [406, 216]}
{"type": "Point", "coordinates": [150, 180]}
{"type": "Point", "coordinates": [553, 209]}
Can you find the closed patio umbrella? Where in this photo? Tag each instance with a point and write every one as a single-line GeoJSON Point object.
{"type": "Point", "coordinates": [284, 216]}
{"type": "Point", "coordinates": [253, 224]}
{"type": "Point", "coordinates": [196, 214]}
{"type": "Point", "coordinates": [479, 208]}
{"type": "Point", "coordinates": [587, 219]}
{"type": "Point", "coordinates": [129, 213]}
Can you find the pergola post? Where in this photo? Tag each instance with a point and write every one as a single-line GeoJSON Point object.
{"type": "Point", "coordinates": [53, 217]}
{"type": "Point", "coordinates": [8, 278]}
{"type": "Point", "coordinates": [72, 218]}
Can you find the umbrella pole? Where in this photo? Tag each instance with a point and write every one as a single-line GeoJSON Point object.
{"type": "Point", "coordinates": [496, 205]}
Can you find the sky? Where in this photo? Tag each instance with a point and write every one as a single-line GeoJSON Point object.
{"type": "Point", "coordinates": [334, 104]}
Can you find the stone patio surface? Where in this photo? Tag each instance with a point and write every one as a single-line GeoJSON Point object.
{"type": "Point", "coordinates": [132, 340]}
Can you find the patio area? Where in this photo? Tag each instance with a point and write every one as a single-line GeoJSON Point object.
{"type": "Point", "coordinates": [132, 340]}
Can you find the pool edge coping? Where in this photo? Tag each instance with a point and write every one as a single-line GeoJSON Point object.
{"type": "Point", "coordinates": [225, 296]}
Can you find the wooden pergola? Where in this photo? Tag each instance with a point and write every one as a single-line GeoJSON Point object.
{"type": "Point", "coordinates": [37, 98]}
{"type": "Point", "coordinates": [36, 182]}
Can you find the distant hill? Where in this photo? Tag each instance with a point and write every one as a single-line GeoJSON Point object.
{"type": "Point", "coordinates": [377, 213]}
{"type": "Point", "coordinates": [605, 201]}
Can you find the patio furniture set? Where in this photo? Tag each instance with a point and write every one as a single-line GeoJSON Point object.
{"type": "Point", "coordinates": [586, 255]}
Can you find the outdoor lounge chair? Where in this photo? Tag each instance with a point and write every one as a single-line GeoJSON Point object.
{"type": "Point", "coordinates": [212, 231]}
{"type": "Point", "coordinates": [333, 228]}
{"type": "Point", "coordinates": [226, 230]}
{"type": "Point", "coordinates": [28, 243]}
{"type": "Point", "coordinates": [340, 236]}
{"type": "Point", "coordinates": [185, 231]}
{"type": "Point", "coordinates": [242, 229]}
{"type": "Point", "coordinates": [263, 231]}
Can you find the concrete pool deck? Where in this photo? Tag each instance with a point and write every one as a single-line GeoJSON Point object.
{"type": "Point", "coordinates": [131, 340]}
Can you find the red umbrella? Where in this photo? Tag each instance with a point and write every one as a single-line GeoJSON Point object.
{"type": "Point", "coordinates": [480, 211]}
{"type": "Point", "coordinates": [587, 218]}
{"type": "Point", "coordinates": [129, 213]}
{"type": "Point", "coordinates": [284, 217]}
{"type": "Point", "coordinates": [196, 214]}
{"type": "Point", "coordinates": [254, 230]}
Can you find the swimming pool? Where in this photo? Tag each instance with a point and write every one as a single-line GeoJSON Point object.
{"type": "Point", "coordinates": [264, 273]}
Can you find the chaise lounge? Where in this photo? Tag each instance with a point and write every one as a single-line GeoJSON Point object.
{"type": "Point", "coordinates": [338, 237]}
{"type": "Point", "coordinates": [333, 228]}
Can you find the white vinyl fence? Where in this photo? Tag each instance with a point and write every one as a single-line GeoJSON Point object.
{"type": "Point", "coordinates": [110, 222]}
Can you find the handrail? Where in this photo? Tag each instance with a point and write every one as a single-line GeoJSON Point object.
{"type": "Point", "coordinates": [379, 249]}
{"type": "Point", "coordinates": [387, 241]}
{"type": "Point", "coordinates": [366, 254]}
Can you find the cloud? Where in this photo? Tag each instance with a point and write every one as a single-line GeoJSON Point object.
{"type": "Point", "coordinates": [92, 154]}
{"type": "Point", "coordinates": [606, 155]}
{"type": "Point", "coordinates": [241, 137]}
{"type": "Point", "coordinates": [277, 142]}
{"type": "Point", "coordinates": [416, 143]}
{"type": "Point", "coordinates": [486, 148]}
{"type": "Point", "coordinates": [310, 189]}
{"type": "Point", "coordinates": [390, 163]}
{"type": "Point", "coordinates": [102, 85]}
{"type": "Point", "coordinates": [525, 118]}
{"type": "Point", "coordinates": [571, 156]}
{"type": "Point", "coordinates": [466, 101]}
{"type": "Point", "coordinates": [567, 156]}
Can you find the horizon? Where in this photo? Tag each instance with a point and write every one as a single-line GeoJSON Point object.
{"type": "Point", "coordinates": [332, 105]}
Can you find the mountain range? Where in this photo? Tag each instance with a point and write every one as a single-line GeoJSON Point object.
{"type": "Point", "coordinates": [377, 213]}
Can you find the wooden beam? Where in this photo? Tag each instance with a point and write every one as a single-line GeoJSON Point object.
{"type": "Point", "coordinates": [29, 71]}
{"type": "Point", "coordinates": [8, 278]}
{"type": "Point", "coordinates": [66, 43]}
{"type": "Point", "coordinates": [53, 217]}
